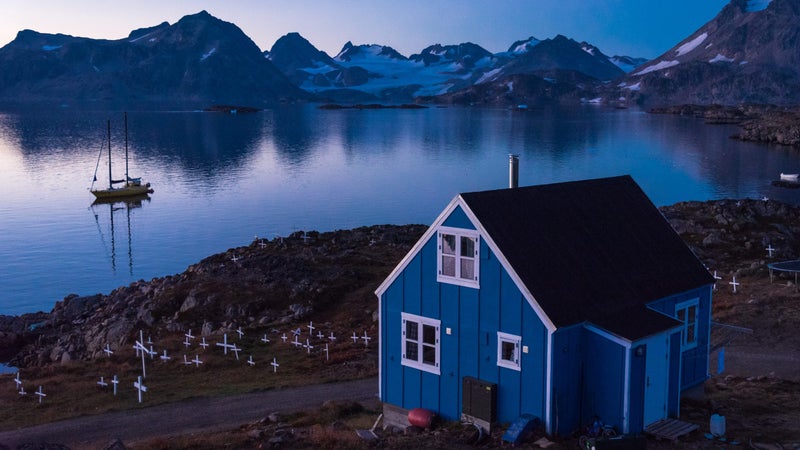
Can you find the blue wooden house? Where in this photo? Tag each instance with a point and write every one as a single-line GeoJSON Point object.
{"type": "Point", "coordinates": [565, 301]}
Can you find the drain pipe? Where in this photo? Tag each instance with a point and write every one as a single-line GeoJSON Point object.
{"type": "Point", "coordinates": [513, 171]}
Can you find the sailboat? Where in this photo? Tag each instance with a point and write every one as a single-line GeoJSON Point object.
{"type": "Point", "coordinates": [130, 186]}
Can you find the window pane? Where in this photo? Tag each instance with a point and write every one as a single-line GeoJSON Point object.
{"type": "Point", "coordinates": [467, 268]}
{"type": "Point", "coordinates": [412, 351]}
{"type": "Point", "coordinates": [411, 330]}
{"type": "Point", "coordinates": [690, 337]}
{"type": "Point", "coordinates": [692, 313]}
{"type": "Point", "coordinates": [429, 354]}
{"type": "Point", "coordinates": [467, 247]}
{"type": "Point", "coordinates": [682, 315]}
{"type": "Point", "coordinates": [508, 351]}
{"type": "Point", "coordinates": [448, 266]}
{"type": "Point", "coordinates": [429, 334]}
{"type": "Point", "coordinates": [449, 244]}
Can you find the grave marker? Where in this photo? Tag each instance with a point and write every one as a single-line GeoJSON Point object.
{"type": "Point", "coordinates": [140, 387]}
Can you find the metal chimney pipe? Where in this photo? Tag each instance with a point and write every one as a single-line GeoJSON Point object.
{"type": "Point", "coordinates": [513, 171]}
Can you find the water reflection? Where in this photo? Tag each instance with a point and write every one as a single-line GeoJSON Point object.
{"type": "Point", "coordinates": [108, 231]}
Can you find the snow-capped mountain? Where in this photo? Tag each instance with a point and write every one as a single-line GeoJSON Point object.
{"type": "Point", "coordinates": [198, 60]}
{"type": "Point", "coordinates": [379, 73]}
{"type": "Point", "coordinates": [750, 52]}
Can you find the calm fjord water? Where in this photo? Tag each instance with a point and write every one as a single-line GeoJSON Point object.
{"type": "Point", "coordinates": [222, 179]}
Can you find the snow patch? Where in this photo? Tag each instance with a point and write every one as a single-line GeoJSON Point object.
{"type": "Point", "coordinates": [633, 87]}
{"type": "Point", "coordinates": [757, 5]}
{"type": "Point", "coordinates": [488, 76]}
{"type": "Point", "coordinates": [720, 58]}
{"type": "Point", "coordinates": [50, 48]}
{"type": "Point", "coordinates": [656, 67]}
{"type": "Point", "coordinates": [588, 50]}
{"type": "Point", "coordinates": [510, 86]}
{"type": "Point", "coordinates": [206, 55]}
{"type": "Point", "coordinates": [691, 45]}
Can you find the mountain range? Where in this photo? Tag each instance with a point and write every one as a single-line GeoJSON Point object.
{"type": "Point", "coordinates": [747, 53]}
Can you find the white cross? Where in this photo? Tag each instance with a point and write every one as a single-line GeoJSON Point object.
{"type": "Point", "coordinates": [366, 338]}
{"type": "Point", "coordinates": [235, 258]}
{"type": "Point", "coordinates": [149, 341]}
{"type": "Point", "coordinates": [332, 337]}
{"type": "Point", "coordinates": [765, 198]}
{"type": "Point", "coordinates": [311, 328]}
{"type": "Point", "coordinates": [320, 335]}
{"type": "Point", "coordinates": [204, 344]}
{"type": "Point", "coordinates": [769, 250]}
{"type": "Point", "coordinates": [22, 391]}
{"type": "Point", "coordinates": [186, 343]}
{"type": "Point", "coordinates": [265, 339]}
{"type": "Point", "coordinates": [40, 393]}
{"type": "Point", "coordinates": [236, 350]}
{"type": "Point", "coordinates": [17, 380]}
{"type": "Point", "coordinates": [305, 237]}
{"type": "Point", "coordinates": [115, 382]}
{"type": "Point", "coordinates": [108, 350]}
{"type": "Point", "coordinates": [274, 365]}
{"type": "Point", "coordinates": [297, 332]}
{"type": "Point", "coordinates": [250, 361]}
{"type": "Point", "coordinates": [326, 352]}
{"type": "Point", "coordinates": [186, 361]}
{"type": "Point", "coordinates": [140, 344]}
{"type": "Point", "coordinates": [354, 338]}
{"type": "Point", "coordinates": [283, 338]}
{"type": "Point", "coordinates": [102, 382]}
{"type": "Point", "coordinates": [734, 284]}
{"type": "Point", "coordinates": [262, 244]}
{"type": "Point", "coordinates": [240, 332]}
{"type": "Point", "coordinates": [152, 352]}
{"type": "Point", "coordinates": [308, 346]}
{"type": "Point", "coordinates": [296, 342]}
{"type": "Point", "coordinates": [196, 361]}
{"type": "Point", "coordinates": [140, 387]}
{"type": "Point", "coordinates": [164, 357]}
{"type": "Point", "coordinates": [715, 280]}
{"type": "Point", "coordinates": [189, 335]}
{"type": "Point", "coordinates": [224, 344]}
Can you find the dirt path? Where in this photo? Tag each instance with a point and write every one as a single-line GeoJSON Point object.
{"type": "Point", "coordinates": [202, 414]}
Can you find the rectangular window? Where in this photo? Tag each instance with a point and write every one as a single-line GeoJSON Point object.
{"type": "Point", "coordinates": [508, 346]}
{"type": "Point", "coordinates": [686, 312]}
{"type": "Point", "coordinates": [420, 343]}
{"type": "Point", "coordinates": [458, 257]}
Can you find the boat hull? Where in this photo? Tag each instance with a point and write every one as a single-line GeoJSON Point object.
{"type": "Point", "coordinates": [126, 191]}
{"type": "Point", "coordinates": [789, 177]}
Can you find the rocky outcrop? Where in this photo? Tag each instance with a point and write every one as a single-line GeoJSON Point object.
{"type": "Point", "coordinates": [758, 123]}
{"type": "Point", "coordinates": [333, 275]}
{"type": "Point", "coordinates": [267, 283]}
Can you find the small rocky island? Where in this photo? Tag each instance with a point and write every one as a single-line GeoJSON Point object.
{"type": "Point", "coordinates": [758, 123]}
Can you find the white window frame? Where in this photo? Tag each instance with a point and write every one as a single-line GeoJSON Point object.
{"type": "Point", "coordinates": [460, 258]}
{"type": "Point", "coordinates": [516, 341]}
{"type": "Point", "coordinates": [685, 308]}
{"type": "Point", "coordinates": [419, 361]}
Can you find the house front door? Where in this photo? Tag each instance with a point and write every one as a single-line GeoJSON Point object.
{"type": "Point", "coordinates": [656, 379]}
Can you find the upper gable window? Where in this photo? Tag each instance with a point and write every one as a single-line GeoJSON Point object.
{"type": "Point", "coordinates": [458, 257]}
{"type": "Point", "coordinates": [686, 312]}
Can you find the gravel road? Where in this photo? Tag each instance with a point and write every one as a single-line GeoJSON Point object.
{"type": "Point", "coordinates": [202, 414]}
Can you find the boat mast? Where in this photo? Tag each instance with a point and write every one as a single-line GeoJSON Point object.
{"type": "Point", "coordinates": [127, 178]}
{"type": "Point", "coordinates": [110, 183]}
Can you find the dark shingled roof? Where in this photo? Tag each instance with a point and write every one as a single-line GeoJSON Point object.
{"type": "Point", "coordinates": [594, 250]}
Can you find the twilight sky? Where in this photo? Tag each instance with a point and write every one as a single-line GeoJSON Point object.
{"type": "Point", "coordinates": [644, 28]}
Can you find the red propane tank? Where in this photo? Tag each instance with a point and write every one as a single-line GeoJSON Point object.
{"type": "Point", "coordinates": [420, 417]}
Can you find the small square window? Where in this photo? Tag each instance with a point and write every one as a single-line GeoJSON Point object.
{"type": "Point", "coordinates": [508, 350]}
